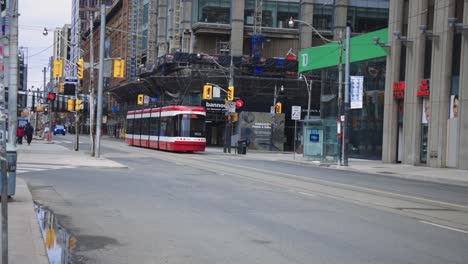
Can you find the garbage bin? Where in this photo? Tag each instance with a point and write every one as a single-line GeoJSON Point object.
{"type": "Point", "coordinates": [242, 147]}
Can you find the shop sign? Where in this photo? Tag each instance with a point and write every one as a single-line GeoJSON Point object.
{"type": "Point", "coordinates": [423, 90]}
{"type": "Point", "coordinates": [399, 90]}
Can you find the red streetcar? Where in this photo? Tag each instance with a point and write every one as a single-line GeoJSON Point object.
{"type": "Point", "coordinates": [173, 128]}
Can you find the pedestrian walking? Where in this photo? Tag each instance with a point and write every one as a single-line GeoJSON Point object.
{"type": "Point", "coordinates": [28, 130]}
{"type": "Point", "coordinates": [19, 135]}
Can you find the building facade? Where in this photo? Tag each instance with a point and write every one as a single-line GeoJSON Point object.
{"type": "Point", "coordinates": [426, 91]}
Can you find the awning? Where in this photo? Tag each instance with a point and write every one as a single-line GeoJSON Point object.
{"type": "Point", "coordinates": [363, 47]}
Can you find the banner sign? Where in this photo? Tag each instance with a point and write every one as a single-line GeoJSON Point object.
{"type": "Point", "coordinates": [423, 89]}
{"type": "Point", "coordinates": [357, 91]}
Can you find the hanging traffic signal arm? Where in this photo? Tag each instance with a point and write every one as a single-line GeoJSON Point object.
{"type": "Point", "coordinates": [229, 91]}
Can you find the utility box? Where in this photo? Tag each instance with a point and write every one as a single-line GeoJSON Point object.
{"type": "Point", "coordinates": [11, 168]}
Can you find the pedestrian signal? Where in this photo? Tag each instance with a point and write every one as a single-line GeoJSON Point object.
{"type": "Point", "coordinates": [58, 68]}
{"type": "Point", "coordinates": [207, 92]}
{"type": "Point", "coordinates": [119, 68]}
{"type": "Point", "coordinates": [71, 105]}
{"type": "Point", "coordinates": [80, 68]}
{"type": "Point", "coordinates": [278, 107]}
{"type": "Point", "coordinates": [230, 94]}
{"type": "Point", "coordinates": [140, 99]}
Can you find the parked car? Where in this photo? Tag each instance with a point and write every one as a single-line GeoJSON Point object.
{"type": "Point", "coordinates": [59, 130]}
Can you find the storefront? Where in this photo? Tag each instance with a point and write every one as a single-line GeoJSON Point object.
{"type": "Point", "coordinates": [368, 67]}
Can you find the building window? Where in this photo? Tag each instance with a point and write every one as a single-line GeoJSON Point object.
{"type": "Point", "coordinates": [364, 19]}
{"type": "Point", "coordinates": [214, 11]}
{"type": "Point", "coordinates": [274, 14]}
{"type": "Point", "coordinates": [323, 17]}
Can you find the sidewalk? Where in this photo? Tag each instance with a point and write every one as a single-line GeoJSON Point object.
{"type": "Point", "coordinates": [25, 243]}
{"type": "Point", "coordinates": [420, 173]}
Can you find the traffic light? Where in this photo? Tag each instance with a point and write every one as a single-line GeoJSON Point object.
{"type": "Point", "coordinates": [58, 68]}
{"type": "Point", "coordinates": [207, 92]}
{"type": "Point", "coordinates": [119, 68]}
{"type": "Point", "coordinates": [78, 104]}
{"type": "Point", "coordinates": [140, 99]}
{"type": "Point", "coordinates": [230, 96]}
{"type": "Point", "coordinates": [51, 96]}
{"type": "Point", "coordinates": [80, 68]}
{"type": "Point", "coordinates": [278, 107]}
{"type": "Point", "coordinates": [62, 88]}
{"type": "Point", "coordinates": [71, 105]}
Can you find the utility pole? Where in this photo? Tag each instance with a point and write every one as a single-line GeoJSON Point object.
{"type": "Point", "coordinates": [346, 105]}
{"type": "Point", "coordinates": [91, 83]}
{"type": "Point", "coordinates": [101, 79]}
{"type": "Point", "coordinates": [340, 96]}
{"type": "Point", "coordinates": [77, 114]}
{"type": "Point", "coordinates": [8, 161]}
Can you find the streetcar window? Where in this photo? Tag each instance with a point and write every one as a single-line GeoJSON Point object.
{"type": "Point", "coordinates": [191, 125]}
{"type": "Point", "coordinates": [129, 126]}
{"type": "Point", "coordinates": [154, 126]}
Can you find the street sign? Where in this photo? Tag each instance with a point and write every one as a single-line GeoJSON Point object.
{"type": "Point", "coordinates": [296, 112]}
{"type": "Point", "coordinates": [146, 99]}
{"type": "Point", "coordinates": [231, 106]}
{"type": "Point", "coordinates": [272, 110]}
{"type": "Point", "coordinates": [71, 80]}
{"type": "Point", "coordinates": [153, 100]}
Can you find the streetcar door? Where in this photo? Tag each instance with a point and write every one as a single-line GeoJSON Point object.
{"type": "Point", "coordinates": [138, 129]}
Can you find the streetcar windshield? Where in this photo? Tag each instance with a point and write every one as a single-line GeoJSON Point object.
{"type": "Point", "coordinates": [191, 125]}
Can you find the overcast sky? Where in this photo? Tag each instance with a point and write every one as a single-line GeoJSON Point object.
{"type": "Point", "coordinates": [34, 16]}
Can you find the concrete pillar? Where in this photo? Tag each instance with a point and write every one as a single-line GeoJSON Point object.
{"type": "Point", "coordinates": [390, 125]}
{"type": "Point", "coordinates": [341, 18]}
{"type": "Point", "coordinates": [186, 25]}
{"type": "Point", "coordinates": [412, 113]}
{"type": "Point", "coordinates": [463, 98]}
{"type": "Point", "coordinates": [162, 27]}
{"type": "Point", "coordinates": [440, 83]}
{"type": "Point", "coordinates": [305, 32]}
{"type": "Point", "coordinates": [237, 27]}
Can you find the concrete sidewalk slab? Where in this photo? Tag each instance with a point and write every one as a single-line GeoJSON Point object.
{"type": "Point", "coordinates": [41, 152]}
{"type": "Point", "coordinates": [25, 244]}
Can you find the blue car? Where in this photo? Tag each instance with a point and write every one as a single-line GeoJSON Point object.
{"type": "Point", "coordinates": [59, 130]}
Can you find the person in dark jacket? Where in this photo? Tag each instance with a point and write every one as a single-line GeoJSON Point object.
{"type": "Point", "coordinates": [28, 130]}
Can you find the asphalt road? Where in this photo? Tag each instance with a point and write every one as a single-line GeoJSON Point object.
{"type": "Point", "coordinates": [184, 208]}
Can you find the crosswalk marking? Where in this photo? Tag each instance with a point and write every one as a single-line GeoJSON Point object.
{"type": "Point", "coordinates": [25, 167]}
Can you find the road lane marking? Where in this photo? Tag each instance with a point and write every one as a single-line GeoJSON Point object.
{"type": "Point", "coordinates": [308, 194]}
{"type": "Point", "coordinates": [446, 227]}
{"type": "Point", "coordinates": [348, 186]}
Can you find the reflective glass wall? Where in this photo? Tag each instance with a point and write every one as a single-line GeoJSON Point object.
{"type": "Point", "coordinates": [275, 13]}
{"type": "Point", "coordinates": [212, 11]}
{"type": "Point", "coordinates": [368, 15]}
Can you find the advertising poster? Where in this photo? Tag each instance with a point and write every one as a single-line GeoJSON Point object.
{"type": "Point", "coordinates": [356, 91]}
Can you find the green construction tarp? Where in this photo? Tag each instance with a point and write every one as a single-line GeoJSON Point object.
{"type": "Point", "coordinates": [362, 48]}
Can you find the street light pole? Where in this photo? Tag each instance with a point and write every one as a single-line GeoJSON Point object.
{"type": "Point", "coordinates": [101, 79]}
{"type": "Point", "coordinates": [346, 103]}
